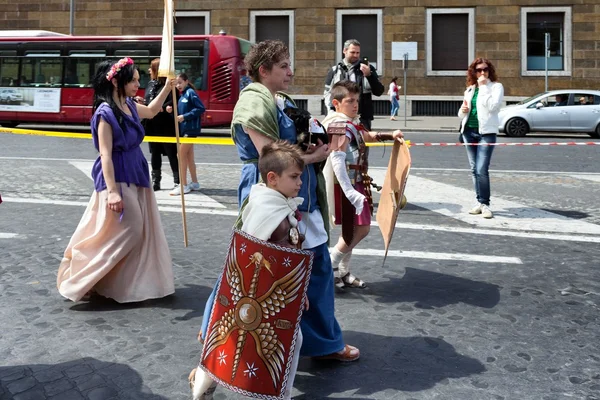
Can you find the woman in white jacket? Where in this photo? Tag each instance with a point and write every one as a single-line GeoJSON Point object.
{"type": "Point", "coordinates": [479, 113]}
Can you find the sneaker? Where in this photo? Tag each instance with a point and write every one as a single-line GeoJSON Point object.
{"type": "Point", "coordinates": [476, 210]}
{"type": "Point", "coordinates": [486, 212]}
{"type": "Point", "coordinates": [194, 186]}
{"type": "Point", "coordinates": [177, 190]}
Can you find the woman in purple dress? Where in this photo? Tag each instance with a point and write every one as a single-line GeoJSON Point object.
{"type": "Point", "coordinates": [119, 249]}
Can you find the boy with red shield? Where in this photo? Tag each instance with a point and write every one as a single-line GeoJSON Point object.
{"type": "Point", "coordinates": [254, 328]}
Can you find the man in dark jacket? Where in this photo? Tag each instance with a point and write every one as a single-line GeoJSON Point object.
{"type": "Point", "coordinates": [360, 72]}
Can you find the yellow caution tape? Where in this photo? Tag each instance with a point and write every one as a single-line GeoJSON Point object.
{"type": "Point", "coordinates": [162, 139]}
{"type": "Point", "coordinates": [215, 141]}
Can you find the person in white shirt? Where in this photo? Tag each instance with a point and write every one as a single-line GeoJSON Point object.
{"type": "Point", "coordinates": [479, 114]}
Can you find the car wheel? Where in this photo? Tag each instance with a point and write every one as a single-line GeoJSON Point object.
{"type": "Point", "coordinates": [9, 124]}
{"type": "Point", "coordinates": [596, 133]}
{"type": "Point", "coordinates": [516, 127]}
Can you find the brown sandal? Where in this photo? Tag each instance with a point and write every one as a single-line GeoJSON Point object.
{"type": "Point", "coordinates": [348, 354]}
{"type": "Point", "coordinates": [353, 282]}
{"type": "Point", "coordinates": [192, 378]}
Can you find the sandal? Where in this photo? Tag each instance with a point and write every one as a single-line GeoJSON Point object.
{"type": "Point", "coordinates": [350, 353]}
{"type": "Point", "coordinates": [353, 282]}
{"type": "Point", "coordinates": [192, 378]}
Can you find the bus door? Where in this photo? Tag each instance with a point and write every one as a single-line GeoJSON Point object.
{"type": "Point", "coordinates": [9, 80]}
{"type": "Point", "coordinates": [189, 59]}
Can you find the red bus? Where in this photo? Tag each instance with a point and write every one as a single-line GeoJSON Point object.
{"type": "Point", "coordinates": [45, 76]}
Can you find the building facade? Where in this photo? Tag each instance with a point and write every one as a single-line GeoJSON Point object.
{"type": "Point", "coordinates": [441, 37]}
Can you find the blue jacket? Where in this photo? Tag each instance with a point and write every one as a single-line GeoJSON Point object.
{"type": "Point", "coordinates": [191, 107]}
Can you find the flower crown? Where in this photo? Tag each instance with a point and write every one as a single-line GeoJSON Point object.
{"type": "Point", "coordinates": [114, 70]}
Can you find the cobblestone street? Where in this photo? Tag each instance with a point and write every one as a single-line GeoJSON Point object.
{"type": "Point", "coordinates": [463, 309]}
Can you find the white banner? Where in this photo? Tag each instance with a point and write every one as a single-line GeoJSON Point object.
{"type": "Point", "coordinates": [166, 67]}
{"type": "Point", "coordinates": [25, 99]}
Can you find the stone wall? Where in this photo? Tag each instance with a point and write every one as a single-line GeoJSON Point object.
{"type": "Point", "coordinates": [497, 34]}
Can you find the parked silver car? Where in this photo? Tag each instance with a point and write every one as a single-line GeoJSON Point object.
{"type": "Point", "coordinates": [572, 110]}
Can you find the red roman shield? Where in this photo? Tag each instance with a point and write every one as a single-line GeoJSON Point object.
{"type": "Point", "coordinates": [255, 318]}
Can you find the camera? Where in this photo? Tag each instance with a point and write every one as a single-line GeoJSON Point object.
{"type": "Point", "coordinates": [308, 129]}
{"type": "Point", "coordinates": [365, 61]}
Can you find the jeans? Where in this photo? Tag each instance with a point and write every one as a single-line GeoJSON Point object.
{"type": "Point", "coordinates": [479, 160]}
{"type": "Point", "coordinates": [395, 106]}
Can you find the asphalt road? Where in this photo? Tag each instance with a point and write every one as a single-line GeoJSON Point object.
{"type": "Point", "coordinates": [464, 308]}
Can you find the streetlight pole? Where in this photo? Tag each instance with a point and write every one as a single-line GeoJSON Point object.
{"type": "Point", "coordinates": [72, 17]}
{"type": "Point", "coordinates": [546, 55]}
{"type": "Point", "coordinates": [405, 67]}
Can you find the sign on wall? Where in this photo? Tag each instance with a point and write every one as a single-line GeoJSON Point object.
{"type": "Point", "coordinates": [401, 48]}
{"type": "Point", "coordinates": [24, 99]}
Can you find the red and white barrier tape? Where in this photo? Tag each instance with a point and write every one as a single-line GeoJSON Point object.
{"type": "Point", "coordinates": [428, 144]}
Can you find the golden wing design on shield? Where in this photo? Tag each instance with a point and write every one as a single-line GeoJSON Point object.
{"type": "Point", "coordinates": [234, 275]}
{"type": "Point", "coordinates": [221, 331]}
{"type": "Point", "coordinates": [269, 349]}
{"type": "Point", "coordinates": [282, 292]}
{"type": "Point", "coordinates": [223, 328]}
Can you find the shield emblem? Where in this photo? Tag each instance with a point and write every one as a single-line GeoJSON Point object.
{"type": "Point", "coordinates": [255, 318]}
{"type": "Point", "coordinates": [392, 194]}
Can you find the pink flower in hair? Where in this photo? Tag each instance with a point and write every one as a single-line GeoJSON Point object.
{"type": "Point", "coordinates": [114, 70]}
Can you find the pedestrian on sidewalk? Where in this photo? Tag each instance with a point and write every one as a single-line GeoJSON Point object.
{"type": "Point", "coordinates": [163, 124]}
{"type": "Point", "coordinates": [394, 97]}
{"type": "Point", "coordinates": [119, 249]}
{"type": "Point", "coordinates": [189, 110]}
{"type": "Point", "coordinates": [348, 183]}
{"type": "Point", "coordinates": [479, 126]}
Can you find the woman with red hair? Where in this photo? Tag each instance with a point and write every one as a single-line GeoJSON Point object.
{"type": "Point", "coordinates": [479, 114]}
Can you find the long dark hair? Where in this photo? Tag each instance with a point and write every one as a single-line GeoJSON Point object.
{"type": "Point", "coordinates": [103, 88]}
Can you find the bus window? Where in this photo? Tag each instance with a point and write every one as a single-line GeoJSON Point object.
{"type": "Point", "coordinates": [42, 69]}
{"type": "Point", "coordinates": [142, 60]}
{"type": "Point", "coordinates": [9, 68]}
{"type": "Point", "coordinates": [191, 63]}
{"type": "Point", "coordinates": [80, 67]}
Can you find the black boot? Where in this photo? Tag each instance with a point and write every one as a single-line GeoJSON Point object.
{"type": "Point", "coordinates": [176, 177]}
{"type": "Point", "coordinates": [156, 177]}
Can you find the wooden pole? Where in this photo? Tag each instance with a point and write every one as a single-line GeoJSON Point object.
{"type": "Point", "coordinates": [181, 172]}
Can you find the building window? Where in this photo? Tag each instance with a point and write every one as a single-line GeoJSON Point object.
{"type": "Point", "coordinates": [273, 25]}
{"type": "Point", "coordinates": [366, 26]}
{"type": "Point", "coordinates": [535, 23]}
{"type": "Point", "coordinates": [192, 23]}
{"type": "Point", "coordinates": [450, 40]}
